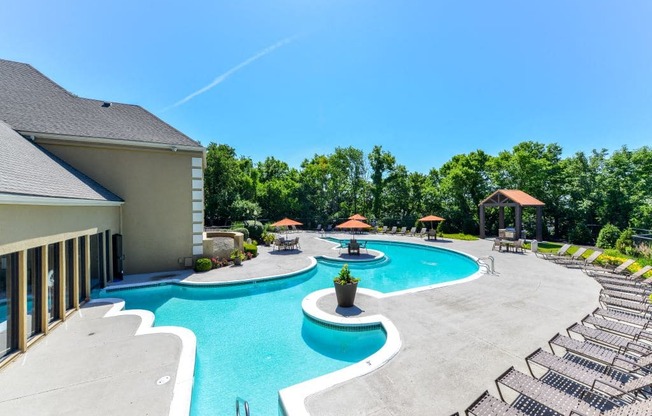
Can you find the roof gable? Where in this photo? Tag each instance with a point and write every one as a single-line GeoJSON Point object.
{"type": "Point", "coordinates": [31, 102]}
{"type": "Point", "coordinates": [28, 170]}
{"type": "Point", "coordinates": [503, 196]}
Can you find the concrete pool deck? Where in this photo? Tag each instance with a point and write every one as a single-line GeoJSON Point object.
{"type": "Point", "coordinates": [455, 340]}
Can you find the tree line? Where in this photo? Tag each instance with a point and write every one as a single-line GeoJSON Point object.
{"type": "Point", "coordinates": [582, 192]}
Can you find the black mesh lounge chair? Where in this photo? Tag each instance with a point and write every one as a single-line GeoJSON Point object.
{"type": "Point", "coordinates": [631, 331]}
{"type": "Point", "coordinates": [619, 294]}
{"type": "Point", "coordinates": [636, 277]}
{"type": "Point", "coordinates": [622, 316]}
{"type": "Point", "coordinates": [488, 405]}
{"type": "Point", "coordinates": [637, 289]}
{"type": "Point", "coordinates": [600, 354]}
{"type": "Point", "coordinates": [611, 340]}
{"type": "Point", "coordinates": [626, 305]}
{"type": "Point", "coordinates": [609, 384]}
{"type": "Point", "coordinates": [545, 394]}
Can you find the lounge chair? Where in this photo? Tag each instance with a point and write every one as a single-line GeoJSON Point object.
{"type": "Point", "coordinates": [618, 271]}
{"type": "Point", "coordinates": [621, 316]}
{"type": "Point", "coordinates": [383, 230]}
{"type": "Point", "coordinates": [626, 305]}
{"type": "Point", "coordinates": [329, 228]}
{"type": "Point", "coordinates": [403, 231]}
{"type": "Point", "coordinates": [319, 227]}
{"type": "Point", "coordinates": [487, 404]}
{"type": "Point", "coordinates": [599, 354]}
{"type": "Point", "coordinates": [422, 232]}
{"type": "Point", "coordinates": [559, 254]}
{"type": "Point", "coordinates": [545, 394]}
{"type": "Point", "coordinates": [634, 332]}
{"type": "Point", "coordinates": [573, 257]}
{"type": "Point", "coordinates": [584, 263]}
{"type": "Point", "coordinates": [636, 289]}
{"type": "Point", "coordinates": [621, 294]}
{"type": "Point", "coordinates": [611, 385]}
{"type": "Point", "coordinates": [392, 231]}
{"type": "Point", "coordinates": [412, 231]}
{"type": "Point", "coordinates": [610, 340]}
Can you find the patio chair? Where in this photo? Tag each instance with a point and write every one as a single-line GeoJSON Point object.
{"type": "Point", "coordinates": [487, 404]}
{"type": "Point", "coordinates": [518, 245]}
{"type": "Point", "coordinates": [583, 263]}
{"type": "Point", "coordinates": [354, 247]}
{"type": "Point", "coordinates": [392, 231]}
{"type": "Point", "coordinates": [620, 316]}
{"type": "Point", "coordinates": [573, 257]}
{"type": "Point", "coordinates": [432, 233]}
{"type": "Point", "coordinates": [559, 254]}
{"type": "Point", "coordinates": [277, 244]}
{"type": "Point", "coordinates": [609, 384]}
{"type": "Point", "coordinates": [498, 244]}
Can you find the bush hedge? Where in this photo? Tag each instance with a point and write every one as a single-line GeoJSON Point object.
{"type": "Point", "coordinates": [608, 236]}
{"type": "Point", "coordinates": [243, 231]}
{"type": "Point", "coordinates": [255, 229]}
{"type": "Point", "coordinates": [203, 264]}
{"type": "Point", "coordinates": [251, 248]}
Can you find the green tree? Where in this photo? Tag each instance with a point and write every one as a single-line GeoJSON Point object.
{"type": "Point", "coordinates": [382, 164]}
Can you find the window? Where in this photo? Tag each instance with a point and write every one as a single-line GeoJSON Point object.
{"type": "Point", "coordinates": [53, 278]}
{"type": "Point", "coordinates": [8, 303]}
{"type": "Point", "coordinates": [33, 325]}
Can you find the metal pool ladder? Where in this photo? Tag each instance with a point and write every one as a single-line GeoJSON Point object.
{"type": "Point", "coordinates": [245, 405]}
{"type": "Point", "coordinates": [482, 263]}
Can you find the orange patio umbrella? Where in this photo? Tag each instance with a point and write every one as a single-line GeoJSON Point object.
{"type": "Point", "coordinates": [353, 225]}
{"type": "Point", "coordinates": [286, 222]}
{"type": "Point", "coordinates": [431, 219]}
{"type": "Point", "coordinates": [357, 217]}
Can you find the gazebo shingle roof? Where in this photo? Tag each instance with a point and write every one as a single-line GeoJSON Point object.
{"type": "Point", "coordinates": [517, 196]}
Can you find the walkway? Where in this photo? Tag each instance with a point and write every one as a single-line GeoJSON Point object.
{"type": "Point", "coordinates": [456, 341]}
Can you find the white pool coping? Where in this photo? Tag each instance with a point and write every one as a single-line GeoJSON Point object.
{"type": "Point", "coordinates": [292, 399]}
{"type": "Point", "coordinates": [184, 379]}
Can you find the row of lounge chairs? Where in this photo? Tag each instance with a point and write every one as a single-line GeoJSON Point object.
{"type": "Point", "coordinates": [423, 232]}
{"type": "Point", "coordinates": [602, 366]}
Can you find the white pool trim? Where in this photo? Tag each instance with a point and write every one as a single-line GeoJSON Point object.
{"type": "Point", "coordinates": [292, 399]}
{"type": "Point", "coordinates": [184, 379]}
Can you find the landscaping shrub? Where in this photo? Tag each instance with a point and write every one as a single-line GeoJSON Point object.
{"type": "Point", "coordinates": [608, 236]}
{"type": "Point", "coordinates": [203, 264]}
{"type": "Point", "coordinates": [243, 231]}
{"type": "Point", "coordinates": [251, 248]}
{"type": "Point", "coordinates": [580, 234]}
{"type": "Point", "coordinates": [255, 229]}
{"type": "Point", "coordinates": [625, 243]}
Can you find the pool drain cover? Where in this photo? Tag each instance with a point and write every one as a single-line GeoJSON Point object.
{"type": "Point", "coordinates": [163, 380]}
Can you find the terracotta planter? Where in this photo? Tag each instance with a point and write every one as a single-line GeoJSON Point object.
{"type": "Point", "coordinates": [345, 294]}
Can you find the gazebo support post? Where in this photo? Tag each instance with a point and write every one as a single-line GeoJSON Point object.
{"type": "Point", "coordinates": [518, 220]}
{"type": "Point", "coordinates": [539, 223]}
{"type": "Point", "coordinates": [482, 235]}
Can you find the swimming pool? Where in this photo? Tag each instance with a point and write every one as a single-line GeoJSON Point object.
{"type": "Point", "coordinates": [253, 338]}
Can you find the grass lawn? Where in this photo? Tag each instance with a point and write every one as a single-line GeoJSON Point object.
{"type": "Point", "coordinates": [459, 236]}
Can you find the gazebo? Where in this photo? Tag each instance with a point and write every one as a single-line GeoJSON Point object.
{"type": "Point", "coordinates": [512, 198]}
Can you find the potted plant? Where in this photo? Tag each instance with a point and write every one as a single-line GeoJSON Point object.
{"type": "Point", "coordinates": [237, 256]}
{"type": "Point", "coordinates": [345, 287]}
{"type": "Point", "coordinates": [268, 238]}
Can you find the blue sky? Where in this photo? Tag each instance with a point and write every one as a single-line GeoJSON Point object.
{"type": "Point", "coordinates": [424, 79]}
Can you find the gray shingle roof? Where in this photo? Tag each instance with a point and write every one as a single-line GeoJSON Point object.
{"type": "Point", "coordinates": [26, 169]}
{"type": "Point", "coordinates": [31, 102]}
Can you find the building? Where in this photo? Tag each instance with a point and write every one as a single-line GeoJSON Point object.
{"type": "Point", "coordinates": [88, 190]}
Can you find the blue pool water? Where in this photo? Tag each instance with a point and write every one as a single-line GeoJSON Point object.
{"type": "Point", "coordinates": [253, 339]}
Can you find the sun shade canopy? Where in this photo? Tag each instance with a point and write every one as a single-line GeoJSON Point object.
{"type": "Point", "coordinates": [286, 222]}
{"type": "Point", "coordinates": [357, 217]}
{"type": "Point", "coordinates": [353, 224]}
{"type": "Point", "coordinates": [431, 218]}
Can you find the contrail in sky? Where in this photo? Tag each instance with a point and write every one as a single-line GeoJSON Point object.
{"type": "Point", "coordinates": [217, 81]}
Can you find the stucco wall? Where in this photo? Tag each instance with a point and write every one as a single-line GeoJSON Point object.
{"type": "Point", "coordinates": [27, 226]}
{"type": "Point", "coordinates": [157, 187]}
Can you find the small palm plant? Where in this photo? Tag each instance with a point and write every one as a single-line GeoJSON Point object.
{"type": "Point", "coordinates": [344, 277]}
